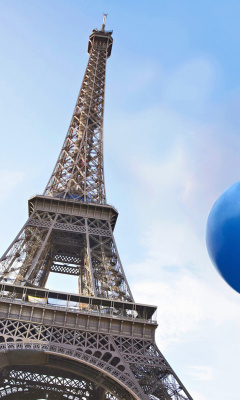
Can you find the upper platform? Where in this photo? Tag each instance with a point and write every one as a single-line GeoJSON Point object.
{"type": "Point", "coordinates": [101, 37]}
{"type": "Point", "coordinates": [87, 210]}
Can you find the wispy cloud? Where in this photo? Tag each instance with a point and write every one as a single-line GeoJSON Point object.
{"type": "Point", "coordinates": [179, 155]}
{"type": "Point", "coordinates": [186, 305]}
{"type": "Point", "coordinates": [200, 373]}
{"type": "Point", "coordinates": [178, 177]}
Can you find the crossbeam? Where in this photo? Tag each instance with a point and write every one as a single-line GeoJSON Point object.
{"type": "Point", "coordinates": [64, 269]}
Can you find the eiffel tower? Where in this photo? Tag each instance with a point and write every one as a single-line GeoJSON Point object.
{"type": "Point", "coordinates": [97, 344]}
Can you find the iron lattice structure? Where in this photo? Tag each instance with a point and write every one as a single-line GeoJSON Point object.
{"type": "Point", "coordinates": [98, 344]}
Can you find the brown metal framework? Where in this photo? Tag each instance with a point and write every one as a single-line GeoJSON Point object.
{"type": "Point", "coordinates": [98, 344]}
{"type": "Point", "coordinates": [34, 383]}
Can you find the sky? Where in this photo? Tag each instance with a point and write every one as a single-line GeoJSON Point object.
{"type": "Point", "coordinates": [171, 147]}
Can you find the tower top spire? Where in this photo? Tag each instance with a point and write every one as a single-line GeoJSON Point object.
{"type": "Point", "coordinates": [103, 24]}
{"type": "Point", "coordinates": [79, 172]}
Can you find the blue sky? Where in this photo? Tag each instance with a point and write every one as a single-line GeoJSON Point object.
{"type": "Point", "coordinates": [172, 145]}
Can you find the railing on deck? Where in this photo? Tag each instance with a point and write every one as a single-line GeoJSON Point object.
{"type": "Point", "coordinates": [78, 303]}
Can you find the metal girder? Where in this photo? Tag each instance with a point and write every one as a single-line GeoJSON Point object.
{"type": "Point", "coordinates": [64, 269]}
{"type": "Point", "coordinates": [72, 244]}
{"type": "Point", "coordinates": [121, 346]}
{"type": "Point", "coordinates": [24, 382]}
{"type": "Point", "coordinates": [79, 171]}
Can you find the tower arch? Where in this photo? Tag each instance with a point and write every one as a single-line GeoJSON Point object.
{"type": "Point", "coordinates": [42, 373]}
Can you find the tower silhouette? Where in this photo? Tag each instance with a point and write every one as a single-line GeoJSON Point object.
{"type": "Point", "coordinates": [97, 344]}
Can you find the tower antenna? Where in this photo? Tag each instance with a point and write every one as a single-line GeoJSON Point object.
{"type": "Point", "coordinates": [103, 24]}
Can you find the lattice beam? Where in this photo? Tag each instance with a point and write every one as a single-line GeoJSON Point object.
{"type": "Point", "coordinates": [33, 382]}
{"type": "Point", "coordinates": [79, 171]}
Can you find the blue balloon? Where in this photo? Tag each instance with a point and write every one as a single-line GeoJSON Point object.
{"type": "Point", "coordinates": [223, 235]}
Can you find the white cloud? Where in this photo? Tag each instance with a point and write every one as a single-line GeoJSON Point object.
{"type": "Point", "coordinates": [174, 194]}
{"type": "Point", "coordinates": [171, 174]}
{"type": "Point", "coordinates": [178, 167]}
{"type": "Point", "coordinates": [177, 276]}
{"type": "Point", "coordinates": [173, 244]}
{"type": "Point", "coordinates": [186, 305]}
{"type": "Point", "coordinates": [175, 165]}
{"type": "Point", "coordinates": [200, 373]}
